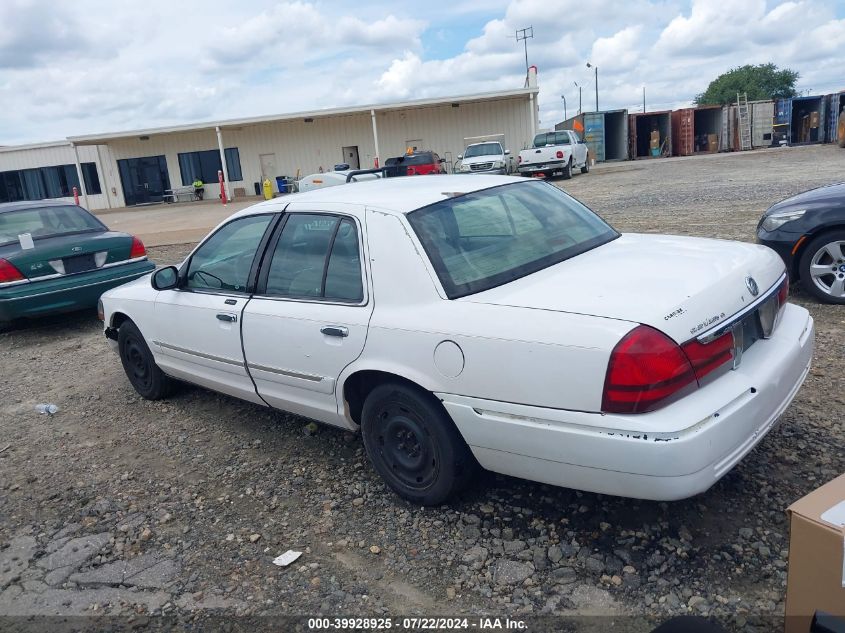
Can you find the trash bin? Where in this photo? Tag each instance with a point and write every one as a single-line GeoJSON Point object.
{"type": "Point", "coordinates": [282, 184]}
{"type": "Point", "coordinates": [257, 186]}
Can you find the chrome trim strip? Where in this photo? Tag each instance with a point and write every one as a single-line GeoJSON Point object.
{"type": "Point", "coordinates": [9, 284]}
{"type": "Point", "coordinates": [219, 359]}
{"type": "Point", "coordinates": [74, 288]}
{"type": "Point", "coordinates": [57, 275]}
{"type": "Point", "coordinates": [724, 326]}
{"type": "Point", "coordinates": [284, 372]}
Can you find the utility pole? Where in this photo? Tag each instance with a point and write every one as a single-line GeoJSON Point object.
{"type": "Point", "coordinates": [564, 106]}
{"type": "Point", "coordinates": [523, 35]}
{"type": "Point", "coordinates": [579, 96]}
{"type": "Point", "coordinates": [643, 98]}
{"type": "Point", "coordinates": [589, 65]}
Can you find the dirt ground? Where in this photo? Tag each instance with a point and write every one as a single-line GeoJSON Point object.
{"type": "Point", "coordinates": [119, 506]}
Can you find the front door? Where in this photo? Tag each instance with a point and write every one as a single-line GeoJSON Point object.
{"type": "Point", "coordinates": [198, 335]}
{"type": "Point", "coordinates": [350, 157]}
{"type": "Point", "coordinates": [268, 167]}
{"type": "Point", "coordinates": [144, 179]}
{"type": "Point", "coordinates": [308, 318]}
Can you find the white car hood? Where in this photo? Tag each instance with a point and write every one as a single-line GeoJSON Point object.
{"type": "Point", "coordinates": [489, 158]}
{"type": "Point", "coordinates": [679, 285]}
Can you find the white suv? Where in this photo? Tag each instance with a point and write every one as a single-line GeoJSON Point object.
{"type": "Point", "coordinates": [485, 158]}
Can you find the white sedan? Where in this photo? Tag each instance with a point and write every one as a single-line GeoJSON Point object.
{"type": "Point", "coordinates": [459, 321]}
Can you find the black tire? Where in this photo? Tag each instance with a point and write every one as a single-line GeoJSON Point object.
{"type": "Point", "coordinates": [140, 367]}
{"type": "Point", "coordinates": [824, 288]}
{"type": "Point", "coordinates": [567, 172]}
{"type": "Point", "coordinates": [414, 445]}
{"type": "Point", "coordinates": [586, 168]}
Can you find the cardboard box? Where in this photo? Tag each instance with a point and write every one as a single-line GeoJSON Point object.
{"type": "Point", "coordinates": [814, 119]}
{"type": "Point", "coordinates": [712, 142]}
{"type": "Point", "coordinates": [655, 140]}
{"type": "Point", "coordinates": [816, 580]}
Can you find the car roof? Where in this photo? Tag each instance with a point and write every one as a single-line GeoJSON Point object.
{"type": "Point", "coordinates": [402, 194]}
{"type": "Point", "coordinates": [5, 207]}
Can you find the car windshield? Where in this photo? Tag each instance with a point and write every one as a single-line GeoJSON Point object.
{"type": "Point", "coordinates": [551, 138]}
{"type": "Point", "coordinates": [484, 149]}
{"type": "Point", "coordinates": [491, 237]}
{"type": "Point", "coordinates": [48, 221]}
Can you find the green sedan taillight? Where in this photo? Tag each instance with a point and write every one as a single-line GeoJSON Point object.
{"type": "Point", "coordinates": [8, 272]}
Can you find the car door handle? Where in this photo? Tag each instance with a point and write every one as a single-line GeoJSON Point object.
{"type": "Point", "coordinates": [229, 318]}
{"type": "Point", "coordinates": [335, 330]}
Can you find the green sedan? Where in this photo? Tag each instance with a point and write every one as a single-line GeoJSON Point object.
{"type": "Point", "coordinates": [57, 257]}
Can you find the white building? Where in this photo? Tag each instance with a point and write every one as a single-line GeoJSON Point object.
{"type": "Point", "coordinates": [136, 167]}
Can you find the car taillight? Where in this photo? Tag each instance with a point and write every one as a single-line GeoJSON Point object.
{"type": "Point", "coordinates": [137, 249]}
{"type": "Point", "coordinates": [8, 272]}
{"type": "Point", "coordinates": [559, 154]}
{"type": "Point", "coordinates": [646, 369]}
{"type": "Point", "coordinates": [707, 357]}
{"type": "Point", "coordinates": [783, 292]}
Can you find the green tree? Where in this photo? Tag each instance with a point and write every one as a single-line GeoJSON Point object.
{"type": "Point", "coordinates": [764, 81]}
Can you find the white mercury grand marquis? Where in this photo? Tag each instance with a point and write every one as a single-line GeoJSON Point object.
{"type": "Point", "coordinates": [460, 320]}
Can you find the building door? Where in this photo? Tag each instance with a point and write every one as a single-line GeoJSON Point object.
{"type": "Point", "coordinates": [144, 179]}
{"type": "Point", "coordinates": [268, 167]}
{"type": "Point", "coordinates": [350, 157]}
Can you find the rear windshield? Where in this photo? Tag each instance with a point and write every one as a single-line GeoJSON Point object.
{"type": "Point", "coordinates": [41, 222]}
{"type": "Point", "coordinates": [551, 138]}
{"type": "Point", "coordinates": [484, 149]}
{"type": "Point", "coordinates": [488, 238]}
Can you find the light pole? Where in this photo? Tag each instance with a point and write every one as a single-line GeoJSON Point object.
{"type": "Point", "coordinates": [523, 35]}
{"type": "Point", "coordinates": [579, 96]}
{"type": "Point", "coordinates": [564, 106]}
{"type": "Point", "coordinates": [589, 65]}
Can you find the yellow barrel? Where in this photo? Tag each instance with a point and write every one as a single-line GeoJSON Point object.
{"type": "Point", "coordinates": [268, 189]}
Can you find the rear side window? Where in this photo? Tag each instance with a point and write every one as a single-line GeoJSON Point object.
{"type": "Point", "coordinates": [317, 256]}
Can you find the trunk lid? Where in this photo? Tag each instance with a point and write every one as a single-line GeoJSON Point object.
{"type": "Point", "coordinates": [68, 254]}
{"type": "Point", "coordinates": [544, 155]}
{"type": "Point", "coordinates": [681, 286]}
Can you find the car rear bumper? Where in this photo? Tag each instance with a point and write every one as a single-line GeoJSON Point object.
{"type": "Point", "coordinates": [547, 169]}
{"type": "Point", "coordinates": [67, 293]}
{"type": "Point", "coordinates": [673, 453]}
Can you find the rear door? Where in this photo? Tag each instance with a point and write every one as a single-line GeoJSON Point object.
{"type": "Point", "coordinates": [197, 326]}
{"type": "Point", "coordinates": [309, 316]}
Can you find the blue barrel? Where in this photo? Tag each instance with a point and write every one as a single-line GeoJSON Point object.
{"type": "Point", "coordinates": [282, 184]}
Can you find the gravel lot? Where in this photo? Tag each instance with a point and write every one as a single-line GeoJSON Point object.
{"type": "Point", "coordinates": [116, 505]}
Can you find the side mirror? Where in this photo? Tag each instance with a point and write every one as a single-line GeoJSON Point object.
{"type": "Point", "coordinates": [460, 156]}
{"type": "Point", "coordinates": [507, 151]}
{"type": "Point", "coordinates": [165, 278]}
{"type": "Point", "coordinates": [442, 160]}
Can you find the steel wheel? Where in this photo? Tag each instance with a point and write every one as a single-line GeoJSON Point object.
{"type": "Point", "coordinates": [406, 447]}
{"type": "Point", "coordinates": [413, 444]}
{"type": "Point", "coordinates": [139, 364]}
{"type": "Point", "coordinates": [822, 267]}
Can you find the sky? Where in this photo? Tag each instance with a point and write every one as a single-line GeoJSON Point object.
{"type": "Point", "coordinates": [89, 66]}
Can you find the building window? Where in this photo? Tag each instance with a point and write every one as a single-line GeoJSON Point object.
{"type": "Point", "coordinates": [92, 178]}
{"type": "Point", "coordinates": [39, 183]}
{"type": "Point", "coordinates": [205, 165]}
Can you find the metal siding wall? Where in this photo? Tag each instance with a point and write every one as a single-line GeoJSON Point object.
{"type": "Point", "coordinates": [58, 154]}
{"type": "Point", "coordinates": [305, 147]}
{"type": "Point", "coordinates": [762, 116]}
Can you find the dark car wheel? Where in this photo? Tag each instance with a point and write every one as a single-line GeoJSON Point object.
{"type": "Point", "coordinates": [567, 172]}
{"type": "Point", "coordinates": [414, 445]}
{"type": "Point", "coordinates": [822, 267]}
{"type": "Point", "coordinates": [586, 168]}
{"type": "Point", "coordinates": [140, 367]}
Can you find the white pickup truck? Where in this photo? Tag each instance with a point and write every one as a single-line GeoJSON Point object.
{"type": "Point", "coordinates": [554, 154]}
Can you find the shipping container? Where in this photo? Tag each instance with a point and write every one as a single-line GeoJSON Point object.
{"type": "Point", "coordinates": [762, 118]}
{"type": "Point", "coordinates": [807, 120]}
{"type": "Point", "coordinates": [642, 127]}
{"type": "Point", "coordinates": [696, 130]}
{"type": "Point", "coordinates": [835, 106]}
{"type": "Point", "coordinates": [605, 133]}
